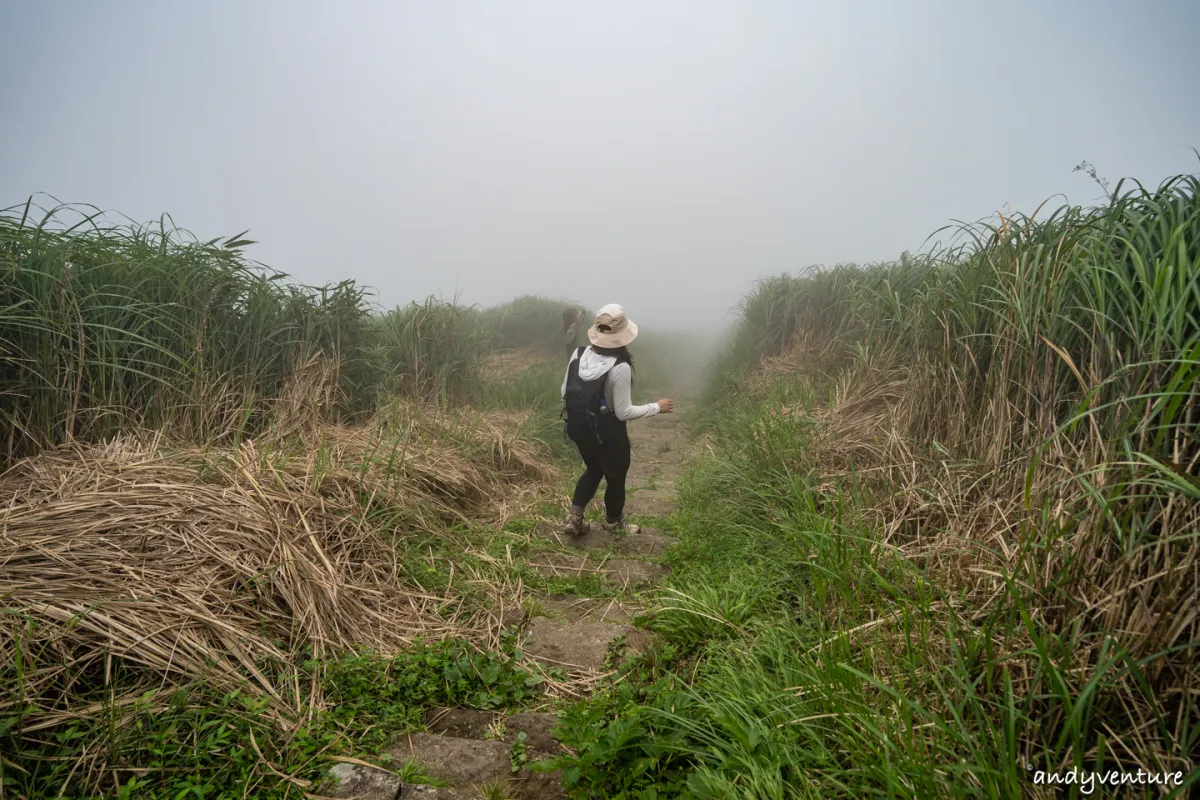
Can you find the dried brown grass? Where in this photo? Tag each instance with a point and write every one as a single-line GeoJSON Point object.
{"type": "Point", "coordinates": [966, 501]}
{"type": "Point", "coordinates": [232, 565]}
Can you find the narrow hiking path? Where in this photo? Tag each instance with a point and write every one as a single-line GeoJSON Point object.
{"type": "Point", "coordinates": [578, 637]}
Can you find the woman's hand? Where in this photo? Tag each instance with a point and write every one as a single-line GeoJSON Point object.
{"type": "Point", "coordinates": [666, 406]}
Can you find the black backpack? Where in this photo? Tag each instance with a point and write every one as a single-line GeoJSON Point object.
{"type": "Point", "coordinates": [581, 407]}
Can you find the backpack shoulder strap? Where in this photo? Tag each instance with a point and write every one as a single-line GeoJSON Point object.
{"type": "Point", "coordinates": [573, 364]}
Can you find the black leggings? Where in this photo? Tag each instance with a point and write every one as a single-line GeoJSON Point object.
{"type": "Point", "coordinates": [608, 460]}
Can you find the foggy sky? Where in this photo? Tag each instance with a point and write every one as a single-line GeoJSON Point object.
{"type": "Point", "coordinates": [662, 155]}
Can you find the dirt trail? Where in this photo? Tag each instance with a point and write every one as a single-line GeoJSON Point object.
{"type": "Point", "coordinates": [585, 637]}
{"type": "Point", "coordinates": [658, 451]}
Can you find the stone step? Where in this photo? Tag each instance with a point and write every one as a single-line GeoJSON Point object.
{"type": "Point", "coordinates": [418, 792]}
{"type": "Point", "coordinates": [470, 765]}
{"type": "Point", "coordinates": [620, 572]}
{"type": "Point", "coordinates": [366, 783]}
{"type": "Point", "coordinates": [646, 542]}
{"type": "Point", "coordinates": [462, 763]}
{"type": "Point", "coordinates": [580, 646]}
{"type": "Point", "coordinates": [470, 723]}
{"type": "Point", "coordinates": [466, 748]}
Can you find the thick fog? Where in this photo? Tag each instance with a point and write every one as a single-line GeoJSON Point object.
{"type": "Point", "coordinates": [658, 154]}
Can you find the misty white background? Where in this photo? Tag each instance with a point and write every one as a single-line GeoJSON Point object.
{"type": "Point", "coordinates": [658, 154]}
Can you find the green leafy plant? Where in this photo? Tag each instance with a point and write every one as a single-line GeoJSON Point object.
{"type": "Point", "coordinates": [519, 755]}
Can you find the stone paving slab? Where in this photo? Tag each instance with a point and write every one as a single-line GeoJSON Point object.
{"type": "Point", "coordinates": [457, 752]}
{"type": "Point", "coordinates": [417, 792]}
{"type": "Point", "coordinates": [462, 763]}
{"type": "Point", "coordinates": [573, 645]}
{"type": "Point", "coordinates": [364, 783]}
{"type": "Point", "coordinates": [470, 723]}
{"type": "Point", "coordinates": [470, 764]}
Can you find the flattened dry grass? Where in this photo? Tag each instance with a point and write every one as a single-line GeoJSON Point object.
{"type": "Point", "coordinates": [135, 565]}
{"type": "Point", "coordinates": [215, 478]}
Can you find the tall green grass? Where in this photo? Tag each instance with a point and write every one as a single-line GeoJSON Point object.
{"type": "Point", "coordinates": [433, 349]}
{"type": "Point", "coordinates": [1098, 303]}
{"type": "Point", "coordinates": [529, 322]}
{"type": "Point", "coordinates": [108, 326]}
{"type": "Point", "coordinates": [104, 327]}
{"type": "Point", "coordinates": [947, 535]}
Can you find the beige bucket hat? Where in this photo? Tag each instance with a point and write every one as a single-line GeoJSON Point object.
{"type": "Point", "coordinates": [612, 327]}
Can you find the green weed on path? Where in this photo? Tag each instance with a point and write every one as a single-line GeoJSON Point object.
{"type": "Point", "coordinates": [192, 741]}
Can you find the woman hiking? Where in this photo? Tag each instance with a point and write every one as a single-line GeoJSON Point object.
{"type": "Point", "coordinates": [597, 404]}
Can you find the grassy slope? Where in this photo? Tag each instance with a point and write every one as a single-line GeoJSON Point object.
{"type": "Point", "coordinates": [255, 382]}
{"type": "Point", "coordinates": [916, 558]}
{"type": "Point", "coordinates": [91, 709]}
{"type": "Point", "coordinates": [817, 641]}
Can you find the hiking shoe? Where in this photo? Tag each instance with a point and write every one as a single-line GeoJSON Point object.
{"type": "Point", "coordinates": [574, 526]}
{"type": "Point", "coordinates": [621, 527]}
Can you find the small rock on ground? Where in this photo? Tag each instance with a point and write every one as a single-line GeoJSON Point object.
{"type": "Point", "coordinates": [364, 783]}
{"type": "Point", "coordinates": [511, 617]}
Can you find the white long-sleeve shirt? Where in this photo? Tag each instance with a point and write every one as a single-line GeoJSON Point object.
{"type": "Point", "coordinates": [616, 388]}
